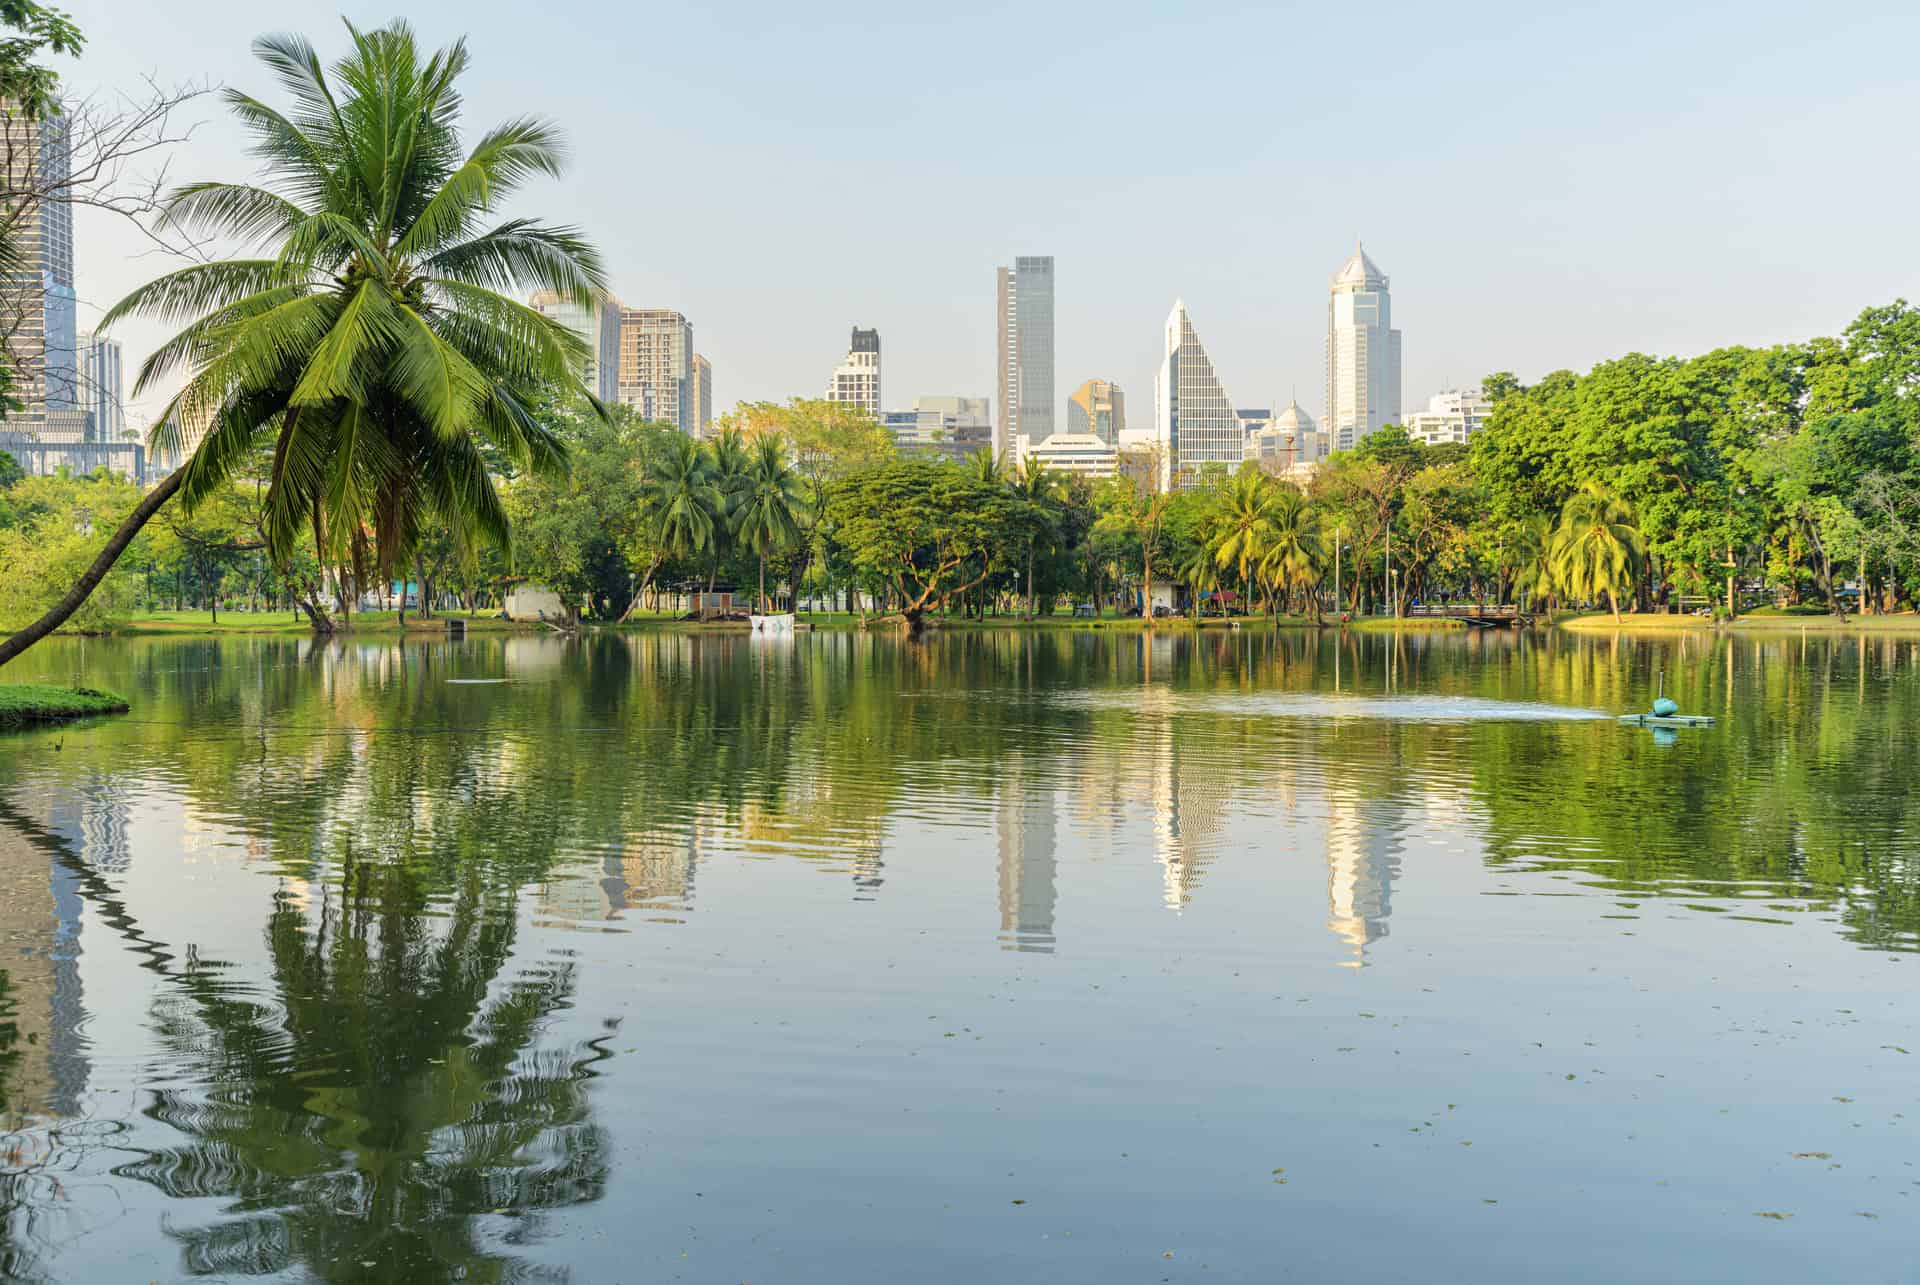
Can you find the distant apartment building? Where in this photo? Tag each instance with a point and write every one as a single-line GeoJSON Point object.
{"type": "Point", "coordinates": [1024, 325]}
{"type": "Point", "coordinates": [598, 327]}
{"type": "Point", "coordinates": [948, 427]}
{"type": "Point", "coordinates": [103, 387]}
{"type": "Point", "coordinates": [702, 396]}
{"type": "Point", "coordinates": [1098, 409]}
{"type": "Point", "coordinates": [1452, 415]}
{"type": "Point", "coordinates": [856, 380]}
{"type": "Point", "coordinates": [656, 366]}
{"type": "Point", "coordinates": [1363, 353]}
{"type": "Point", "coordinates": [37, 302]}
{"type": "Point", "coordinates": [1194, 422]}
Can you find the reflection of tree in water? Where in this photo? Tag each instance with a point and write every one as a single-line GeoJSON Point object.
{"type": "Point", "coordinates": [389, 1098]}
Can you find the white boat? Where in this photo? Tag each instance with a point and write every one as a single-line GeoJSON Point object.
{"type": "Point", "coordinates": [778, 624]}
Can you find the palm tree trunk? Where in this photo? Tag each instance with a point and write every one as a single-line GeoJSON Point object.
{"type": "Point", "coordinates": [59, 613]}
{"type": "Point", "coordinates": [763, 583]}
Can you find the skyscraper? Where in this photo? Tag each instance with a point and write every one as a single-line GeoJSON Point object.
{"type": "Point", "coordinates": [1098, 409]}
{"type": "Point", "coordinates": [38, 303]}
{"type": "Point", "coordinates": [656, 365]}
{"type": "Point", "coordinates": [702, 396]}
{"type": "Point", "coordinates": [1194, 422]}
{"type": "Point", "coordinates": [102, 387]}
{"type": "Point", "coordinates": [1025, 326]}
{"type": "Point", "coordinates": [1363, 353]}
{"type": "Point", "coordinates": [856, 380]}
{"type": "Point", "coordinates": [598, 327]}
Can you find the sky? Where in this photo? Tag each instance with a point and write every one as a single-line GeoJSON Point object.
{"type": "Point", "coordinates": [1547, 186]}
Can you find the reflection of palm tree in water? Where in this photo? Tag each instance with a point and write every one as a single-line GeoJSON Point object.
{"type": "Point", "coordinates": [363, 1123]}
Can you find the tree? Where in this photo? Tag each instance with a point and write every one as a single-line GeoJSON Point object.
{"type": "Point", "coordinates": [29, 87]}
{"type": "Point", "coordinates": [1291, 557]}
{"type": "Point", "coordinates": [922, 528]}
{"type": "Point", "coordinates": [765, 506]}
{"type": "Point", "coordinates": [1038, 494]}
{"type": "Point", "coordinates": [680, 507]}
{"type": "Point", "coordinates": [379, 343]}
{"type": "Point", "coordinates": [1242, 525]}
{"type": "Point", "coordinates": [1597, 548]}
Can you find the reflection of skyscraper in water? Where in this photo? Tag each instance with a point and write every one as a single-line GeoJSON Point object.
{"type": "Point", "coordinates": [1363, 859]}
{"type": "Point", "coordinates": [1024, 828]}
{"type": "Point", "coordinates": [41, 916]}
{"type": "Point", "coordinates": [1189, 797]}
{"type": "Point", "coordinates": [649, 872]}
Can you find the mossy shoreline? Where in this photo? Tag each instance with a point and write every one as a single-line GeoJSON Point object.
{"type": "Point", "coordinates": [31, 704]}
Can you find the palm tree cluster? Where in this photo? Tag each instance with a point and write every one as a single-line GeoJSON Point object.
{"type": "Point", "coordinates": [1263, 535]}
{"type": "Point", "coordinates": [707, 499]}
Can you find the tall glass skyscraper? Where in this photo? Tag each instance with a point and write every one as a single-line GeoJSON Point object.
{"type": "Point", "coordinates": [1194, 422]}
{"type": "Point", "coordinates": [1025, 316]}
{"type": "Point", "coordinates": [1363, 353]}
{"type": "Point", "coordinates": [599, 327]}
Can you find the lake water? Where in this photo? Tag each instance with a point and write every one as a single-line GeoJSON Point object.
{"type": "Point", "coordinates": [1064, 957]}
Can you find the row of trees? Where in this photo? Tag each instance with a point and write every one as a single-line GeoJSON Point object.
{"type": "Point", "coordinates": [370, 398]}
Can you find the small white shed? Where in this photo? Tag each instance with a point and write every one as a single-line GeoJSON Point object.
{"type": "Point", "coordinates": [534, 602]}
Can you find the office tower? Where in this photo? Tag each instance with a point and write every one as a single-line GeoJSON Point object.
{"type": "Point", "coordinates": [1025, 326]}
{"type": "Point", "coordinates": [102, 387]}
{"type": "Point", "coordinates": [1363, 353]}
{"type": "Point", "coordinates": [38, 303]}
{"type": "Point", "coordinates": [1098, 409]}
{"type": "Point", "coordinates": [702, 396]}
{"type": "Point", "coordinates": [1194, 422]}
{"type": "Point", "coordinates": [598, 327]}
{"type": "Point", "coordinates": [856, 380]}
{"type": "Point", "coordinates": [656, 365]}
{"type": "Point", "coordinates": [1452, 415]}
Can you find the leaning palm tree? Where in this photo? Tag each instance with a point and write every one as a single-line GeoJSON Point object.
{"type": "Point", "coordinates": [374, 339]}
{"type": "Point", "coordinates": [681, 508]}
{"type": "Point", "coordinates": [1597, 547]}
{"type": "Point", "coordinates": [765, 504]}
{"type": "Point", "coordinates": [1529, 557]}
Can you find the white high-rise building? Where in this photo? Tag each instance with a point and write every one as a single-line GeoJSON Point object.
{"type": "Point", "coordinates": [1025, 326]}
{"type": "Point", "coordinates": [702, 396]}
{"type": "Point", "coordinates": [1194, 423]}
{"type": "Point", "coordinates": [598, 327]}
{"type": "Point", "coordinates": [1452, 415]}
{"type": "Point", "coordinates": [656, 365]}
{"type": "Point", "coordinates": [102, 387]}
{"type": "Point", "coordinates": [857, 379]}
{"type": "Point", "coordinates": [1363, 353]}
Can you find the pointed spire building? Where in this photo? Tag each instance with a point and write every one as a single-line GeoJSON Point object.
{"type": "Point", "coordinates": [1363, 353]}
{"type": "Point", "coordinates": [1194, 421]}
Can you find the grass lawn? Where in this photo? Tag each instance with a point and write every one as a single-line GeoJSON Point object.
{"type": "Point", "coordinates": [285, 622]}
{"type": "Point", "coordinates": [1753, 622]}
{"type": "Point", "coordinates": [24, 703]}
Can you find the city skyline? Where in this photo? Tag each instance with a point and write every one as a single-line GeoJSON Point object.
{"type": "Point", "coordinates": [1560, 204]}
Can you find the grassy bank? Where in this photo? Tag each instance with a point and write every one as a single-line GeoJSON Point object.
{"type": "Point", "coordinates": [1756, 622]}
{"type": "Point", "coordinates": [840, 620]}
{"type": "Point", "coordinates": [281, 622]}
{"type": "Point", "coordinates": [1408, 625]}
{"type": "Point", "coordinates": [22, 704]}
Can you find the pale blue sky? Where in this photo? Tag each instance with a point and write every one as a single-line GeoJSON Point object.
{"type": "Point", "coordinates": [1547, 186]}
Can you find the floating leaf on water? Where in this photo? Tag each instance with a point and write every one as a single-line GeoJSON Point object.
{"type": "Point", "coordinates": [1773, 1214]}
{"type": "Point", "coordinates": [1813, 1155]}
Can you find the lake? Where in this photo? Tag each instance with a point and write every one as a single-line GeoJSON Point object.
{"type": "Point", "coordinates": [1063, 957]}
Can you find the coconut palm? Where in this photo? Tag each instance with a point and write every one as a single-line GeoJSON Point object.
{"type": "Point", "coordinates": [765, 504]}
{"type": "Point", "coordinates": [1242, 523]}
{"type": "Point", "coordinates": [1529, 558]}
{"type": "Point", "coordinates": [1201, 571]}
{"type": "Point", "coordinates": [984, 466]}
{"type": "Point", "coordinates": [681, 508]}
{"type": "Point", "coordinates": [375, 341]}
{"type": "Point", "coordinates": [1292, 558]}
{"type": "Point", "coordinates": [1597, 548]}
{"type": "Point", "coordinates": [727, 464]}
{"type": "Point", "coordinates": [1038, 490]}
